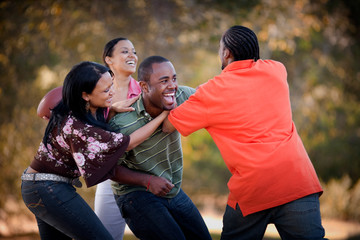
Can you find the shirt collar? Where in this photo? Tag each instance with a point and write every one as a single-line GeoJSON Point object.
{"type": "Point", "coordinates": [242, 64]}
{"type": "Point", "coordinates": [134, 88]}
{"type": "Point", "coordinates": [140, 109]}
{"type": "Point", "coordinates": [139, 105]}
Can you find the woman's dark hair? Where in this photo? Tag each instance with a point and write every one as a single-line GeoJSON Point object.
{"type": "Point", "coordinates": [109, 48]}
{"type": "Point", "coordinates": [83, 77]}
{"type": "Point", "coordinates": [242, 43]}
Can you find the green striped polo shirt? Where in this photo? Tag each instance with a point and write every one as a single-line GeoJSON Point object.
{"type": "Point", "coordinates": [159, 155]}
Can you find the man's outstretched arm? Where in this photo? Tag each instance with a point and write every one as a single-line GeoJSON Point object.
{"type": "Point", "coordinates": [167, 126]}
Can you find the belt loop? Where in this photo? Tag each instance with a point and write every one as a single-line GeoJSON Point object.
{"type": "Point", "coordinates": [76, 182]}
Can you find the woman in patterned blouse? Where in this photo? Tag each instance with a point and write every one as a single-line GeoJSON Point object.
{"type": "Point", "coordinates": [78, 142]}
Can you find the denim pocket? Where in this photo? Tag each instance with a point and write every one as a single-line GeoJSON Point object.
{"type": "Point", "coordinates": [304, 205]}
{"type": "Point", "coordinates": [32, 198]}
{"type": "Point", "coordinates": [59, 192]}
{"type": "Point", "coordinates": [134, 203]}
{"type": "Point", "coordinates": [126, 207]}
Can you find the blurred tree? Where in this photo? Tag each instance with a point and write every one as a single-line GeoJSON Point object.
{"type": "Point", "coordinates": [318, 41]}
{"type": "Point", "coordinates": [327, 113]}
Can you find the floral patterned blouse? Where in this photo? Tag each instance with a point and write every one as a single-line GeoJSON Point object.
{"type": "Point", "coordinates": [81, 149]}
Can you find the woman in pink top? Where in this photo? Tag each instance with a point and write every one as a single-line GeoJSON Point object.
{"type": "Point", "coordinates": [120, 56]}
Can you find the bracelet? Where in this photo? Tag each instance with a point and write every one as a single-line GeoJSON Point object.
{"type": "Point", "coordinates": [148, 184]}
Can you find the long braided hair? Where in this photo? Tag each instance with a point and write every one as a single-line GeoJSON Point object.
{"type": "Point", "coordinates": [242, 43]}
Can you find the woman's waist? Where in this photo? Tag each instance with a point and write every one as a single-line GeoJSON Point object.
{"type": "Point", "coordinates": [31, 174]}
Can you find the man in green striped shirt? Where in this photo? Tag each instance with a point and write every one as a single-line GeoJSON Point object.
{"type": "Point", "coordinates": [170, 215]}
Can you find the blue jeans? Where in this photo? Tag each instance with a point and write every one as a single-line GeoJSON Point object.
{"type": "Point", "coordinates": [152, 217]}
{"type": "Point", "coordinates": [299, 219]}
{"type": "Point", "coordinates": [60, 212]}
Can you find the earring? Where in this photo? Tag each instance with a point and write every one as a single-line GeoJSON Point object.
{"type": "Point", "coordinates": [87, 106]}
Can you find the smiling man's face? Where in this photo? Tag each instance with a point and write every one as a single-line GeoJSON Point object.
{"type": "Point", "coordinates": [159, 92]}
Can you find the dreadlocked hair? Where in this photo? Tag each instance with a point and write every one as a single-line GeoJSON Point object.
{"type": "Point", "coordinates": [242, 43]}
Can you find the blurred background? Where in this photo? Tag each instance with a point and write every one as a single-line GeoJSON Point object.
{"type": "Point", "coordinates": [317, 40]}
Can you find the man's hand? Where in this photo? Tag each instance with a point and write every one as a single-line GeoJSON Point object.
{"type": "Point", "coordinates": [159, 186]}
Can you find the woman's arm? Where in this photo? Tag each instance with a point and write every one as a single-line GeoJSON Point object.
{"type": "Point", "coordinates": [144, 132]}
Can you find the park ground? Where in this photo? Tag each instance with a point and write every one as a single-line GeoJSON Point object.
{"type": "Point", "coordinates": [25, 228]}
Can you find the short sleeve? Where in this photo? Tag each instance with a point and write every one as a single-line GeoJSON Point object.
{"type": "Point", "coordinates": [95, 151]}
{"type": "Point", "coordinates": [190, 116]}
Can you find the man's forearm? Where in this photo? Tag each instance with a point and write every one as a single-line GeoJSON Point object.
{"type": "Point", "coordinates": [157, 185]}
{"type": "Point", "coordinates": [128, 176]}
{"type": "Point", "coordinates": [167, 126]}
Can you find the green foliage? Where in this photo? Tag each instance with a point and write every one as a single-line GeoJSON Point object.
{"type": "Point", "coordinates": [204, 170]}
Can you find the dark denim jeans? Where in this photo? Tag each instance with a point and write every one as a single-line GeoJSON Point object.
{"type": "Point", "coordinates": [151, 217]}
{"type": "Point", "coordinates": [299, 219]}
{"type": "Point", "coordinates": [60, 212]}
